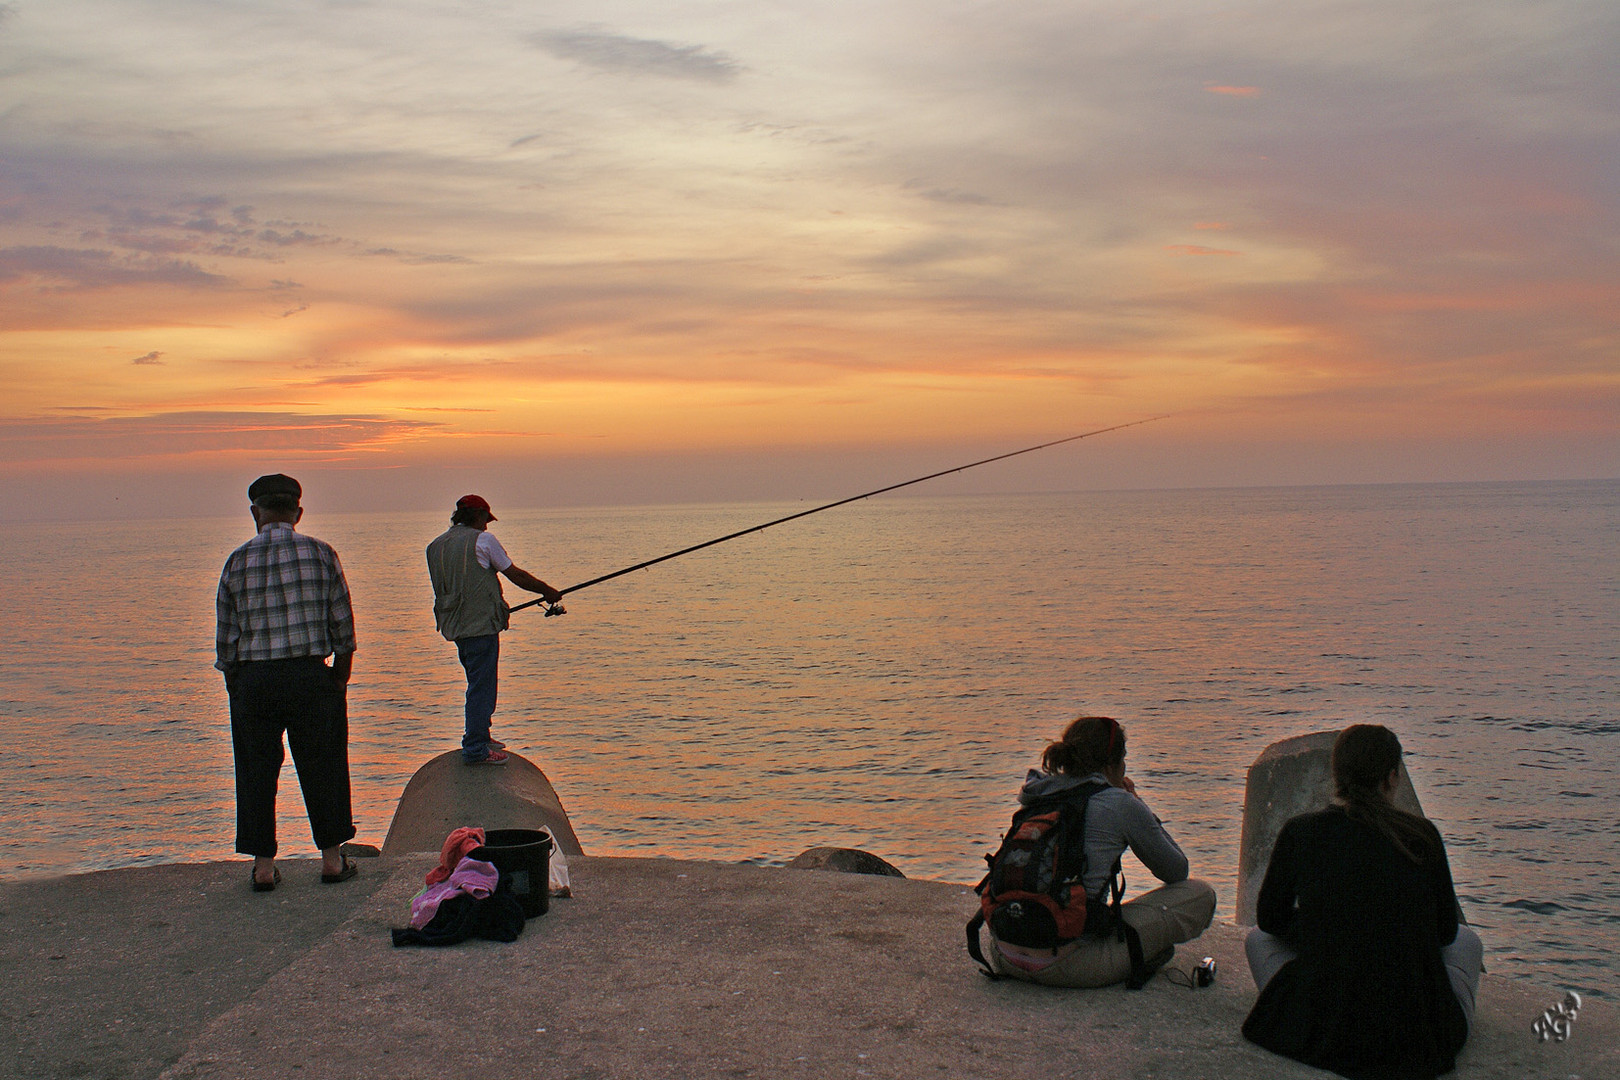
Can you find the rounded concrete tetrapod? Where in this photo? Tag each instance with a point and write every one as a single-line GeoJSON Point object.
{"type": "Point", "coordinates": [1289, 778]}
{"type": "Point", "coordinates": [446, 794]}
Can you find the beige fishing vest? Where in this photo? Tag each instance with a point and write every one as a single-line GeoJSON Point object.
{"type": "Point", "coordinates": [467, 600]}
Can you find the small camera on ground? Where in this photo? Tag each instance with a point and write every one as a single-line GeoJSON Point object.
{"type": "Point", "coordinates": [1204, 973]}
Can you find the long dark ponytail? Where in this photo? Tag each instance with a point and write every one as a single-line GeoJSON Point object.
{"type": "Point", "coordinates": [1363, 757]}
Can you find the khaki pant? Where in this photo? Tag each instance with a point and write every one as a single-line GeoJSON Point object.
{"type": "Point", "coordinates": [1164, 917]}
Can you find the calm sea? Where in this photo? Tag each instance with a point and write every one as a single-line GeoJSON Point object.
{"type": "Point", "coordinates": [881, 675]}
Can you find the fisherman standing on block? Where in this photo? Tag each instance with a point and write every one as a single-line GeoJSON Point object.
{"type": "Point", "coordinates": [283, 608]}
{"type": "Point", "coordinates": [464, 563]}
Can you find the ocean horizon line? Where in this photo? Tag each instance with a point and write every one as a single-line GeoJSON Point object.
{"type": "Point", "coordinates": [315, 509]}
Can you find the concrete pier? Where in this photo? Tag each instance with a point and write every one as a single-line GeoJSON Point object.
{"type": "Point", "coordinates": [656, 968]}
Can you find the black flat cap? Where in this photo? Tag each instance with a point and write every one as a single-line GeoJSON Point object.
{"type": "Point", "coordinates": [274, 484]}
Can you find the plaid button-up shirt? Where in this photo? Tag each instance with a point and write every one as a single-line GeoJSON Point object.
{"type": "Point", "coordinates": [282, 595]}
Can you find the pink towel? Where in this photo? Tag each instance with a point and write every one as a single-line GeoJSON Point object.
{"type": "Point", "coordinates": [476, 879]}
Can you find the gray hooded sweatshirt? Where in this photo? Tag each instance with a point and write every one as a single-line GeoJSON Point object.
{"type": "Point", "coordinates": [1115, 820]}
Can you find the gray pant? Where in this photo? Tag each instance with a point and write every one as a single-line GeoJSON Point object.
{"type": "Point", "coordinates": [1464, 959]}
{"type": "Point", "coordinates": [1163, 917]}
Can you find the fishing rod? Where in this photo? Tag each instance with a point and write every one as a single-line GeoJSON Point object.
{"type": "Point", "coordinates": [557, 608]}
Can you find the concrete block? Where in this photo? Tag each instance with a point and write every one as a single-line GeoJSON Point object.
{"type": "Point", "coordinates": [1289, 778]}
{"type": "Point", "coordinates": [446, 794]}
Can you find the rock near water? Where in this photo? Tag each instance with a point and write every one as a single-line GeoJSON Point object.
{"type": "Point", "coordinates": [843, 859]}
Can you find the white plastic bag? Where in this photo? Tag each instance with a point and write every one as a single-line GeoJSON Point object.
{"type": "Point", "coordinates": [559, 868]}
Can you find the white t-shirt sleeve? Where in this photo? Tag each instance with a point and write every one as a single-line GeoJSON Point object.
{"type": "Point", "coordinates": [491, 556]}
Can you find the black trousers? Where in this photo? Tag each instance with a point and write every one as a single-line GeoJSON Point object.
{"type": "Point", "coordinates": [300, 697]}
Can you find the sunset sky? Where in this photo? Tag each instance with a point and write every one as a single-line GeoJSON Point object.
{"type": "Point", "coordinates": [637, 251]}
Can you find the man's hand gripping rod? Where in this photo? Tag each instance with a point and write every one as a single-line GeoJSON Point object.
{"type": "Point", "coordinates": [555, 607]}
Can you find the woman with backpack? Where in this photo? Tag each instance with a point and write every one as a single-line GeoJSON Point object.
{"type": "Point", "coordinates": [1088, 812]}
{"type": "Point", "coordinates": [1361, 964]}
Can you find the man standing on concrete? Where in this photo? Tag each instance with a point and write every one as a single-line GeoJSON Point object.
{"type": "Point", "coordinates": [283, 608]}
{"type": "Point", "coordinates": [469, 609]}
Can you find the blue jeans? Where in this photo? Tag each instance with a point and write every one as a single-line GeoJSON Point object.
{"type": "Point", "coordinates": [481, 656]}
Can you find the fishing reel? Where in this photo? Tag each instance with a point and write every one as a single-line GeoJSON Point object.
{"type": "Point", "coordinates": [551, 609]}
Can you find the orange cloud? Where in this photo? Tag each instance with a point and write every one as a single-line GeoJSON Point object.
{"type": "Point", "coordinates": [198, 436]}
{"type": "Point", "coordinates": [688, 278]}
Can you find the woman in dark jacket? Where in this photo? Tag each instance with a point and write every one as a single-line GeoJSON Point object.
{"type": "Point", "coordinates": [1362, 966]}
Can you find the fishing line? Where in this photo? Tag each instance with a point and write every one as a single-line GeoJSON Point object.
{"type": "Point", "coordinates": [557, 609]}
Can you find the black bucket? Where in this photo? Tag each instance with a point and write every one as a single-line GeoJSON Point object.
{"type": "Point", "coordinates": [523, 857]}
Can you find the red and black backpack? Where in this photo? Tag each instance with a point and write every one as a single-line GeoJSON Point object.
{"type": "Point", "coordinates": [1033, 895]}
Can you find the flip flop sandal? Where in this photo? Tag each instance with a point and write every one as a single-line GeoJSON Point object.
{"type": "Point", "coordinates": [265, 886]}
{"type": "Point", "coordinates": [348, 871]}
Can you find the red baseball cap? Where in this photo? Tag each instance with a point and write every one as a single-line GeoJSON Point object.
{"type": "Point", "coordinates": [475, 502]}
